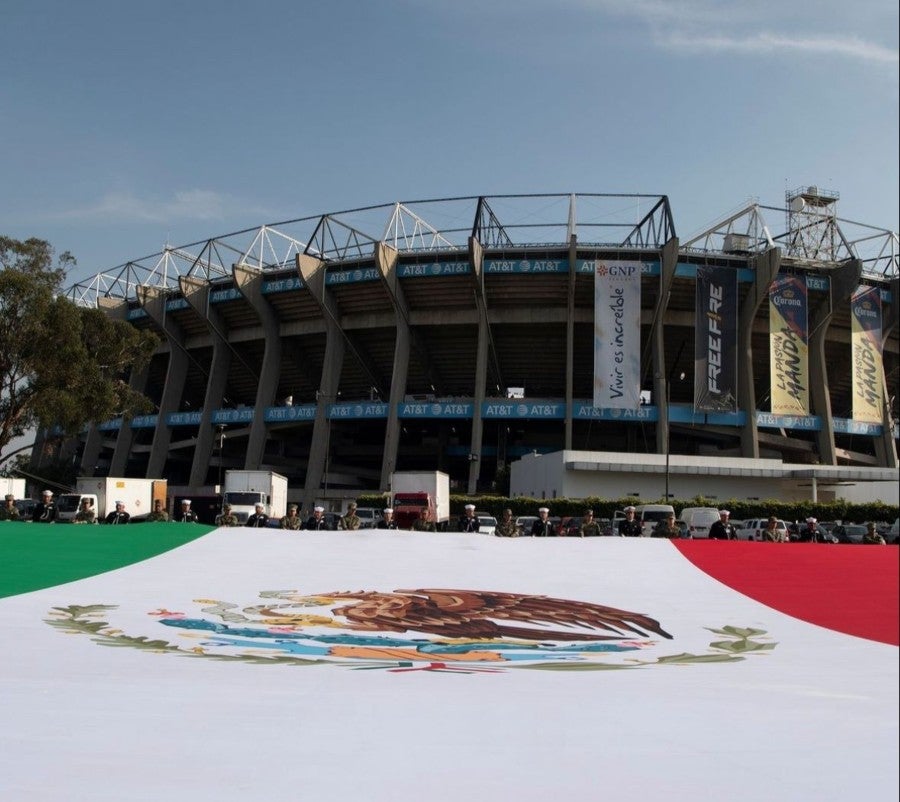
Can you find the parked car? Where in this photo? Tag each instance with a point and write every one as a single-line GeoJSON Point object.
{"type": "Point", "coordinates": [368, 517]}
{"type": "Point", "coordinates": [699, 519]}
{"type": "Point", "coordinates": [487, 523]}
{"type": "Point", "coordinates": [524, 523]}
{"type": "Point", "coordinates": [849, 533]}
{"type": "Point", "coordinates": [753, 528]}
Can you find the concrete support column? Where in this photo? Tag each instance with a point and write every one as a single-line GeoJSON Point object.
{"type": "Point", "coordinates": [766, 267]}
{"type": "Point", "coordinates": [153, 301]}
{"type": "Point", "coordinates": [197, 294]}
{"type": "Point", "coordinates": [668, 263]}
{"type": "Point", "coordinates": [124, 439]}
{"type": "Point", "coordinates": [885, 444]}
{"type": "Point", "coordinates": [843, 280]}
{"type": "Point", "coordinates": [476, 259]}
{"type": "Point", "coordinates": [386, 261]}
{"type": "Point", "coordinates": [312, 271]}
{"type": "Point", "coordinates": [249, 280]}
{"type": "Point", "coordinates": [570, 338]}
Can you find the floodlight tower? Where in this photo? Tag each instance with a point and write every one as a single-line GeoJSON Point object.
{"type": "Point", "coordinates": [812, 224]}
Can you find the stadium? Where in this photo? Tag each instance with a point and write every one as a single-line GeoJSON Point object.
{"type": "Point", "coordinates": [462, 334]}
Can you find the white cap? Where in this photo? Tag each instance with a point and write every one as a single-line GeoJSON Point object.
{"type": "Point", "coordinates": [543, 509]}
{"type": "Point", "coordinates": [47, 493]}
{"type": "Point", "coordinates": [122, 503]}
{"type": "Point", "coordinates": [629, 509]}
{"type": "Point", "coordinates": [318, 509]}
{"type": "Point", "coordinates": [470, 506]}
{"type": "Point", "coordinates": [811, 521]}
{"type": "Point", "coordinates": [388, 510]}
{"type": "Point", "coordinates": [724, 512]}
{"type": "Point", "coordinates": [186, 501]}
{"type": "Point", "coordinates": [260, 505]}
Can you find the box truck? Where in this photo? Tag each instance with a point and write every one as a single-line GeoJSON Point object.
{"type": "Point", "coordinates": [138, 496]}
{"type": "Point", "coordinates": [413, 491]}
{"type": "Point", "coordinates": [245, 489]}
{"type": "Point", "coordinates": [15, 487]}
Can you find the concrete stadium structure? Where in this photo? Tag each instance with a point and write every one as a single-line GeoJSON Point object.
{"type": "Point", "coordinates": [458, 334]}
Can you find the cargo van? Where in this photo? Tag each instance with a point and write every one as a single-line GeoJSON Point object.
{"type": "Point", "coordinates": [699, 519]}
{"type": "Point", "coordinates": [650, 515]}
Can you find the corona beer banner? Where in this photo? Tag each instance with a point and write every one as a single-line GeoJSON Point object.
{"type": "Point", "coordinates": [617, 335]}
{"type": "Point", "coordinates": [715, 342]}
{"type": "Point", "coordinates": [789, 346]}
{"type": "Point", "coordinates": [868, 368]}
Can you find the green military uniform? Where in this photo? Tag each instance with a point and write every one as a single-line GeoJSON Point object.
{"type": "Point", "coordinates": [872, 538]}
{"type": "Point", "coordinates": [422, 525]}
{"type": "Point", "coordinates": [351, 521]}
{"type": "Point", "coordinates": [9, 511]}
{"type": "Point", "coordinates": [86, 515]}
{"type": "Point", "coordinates": [291, 521]}
{"type": "Point", "coordinates": [506, 526]}
{"type": "Point", "coordinates": [589, 527]}
{"type": "Point", "coordinates": [158, 516]}
{"type": "Point", "coordinates": [226, 518]}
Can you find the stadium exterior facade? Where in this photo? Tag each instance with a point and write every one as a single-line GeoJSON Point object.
{"type": "Point", "coordinates": [335, 355]}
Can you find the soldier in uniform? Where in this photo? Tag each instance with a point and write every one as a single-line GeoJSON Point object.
{"type": "Point", "coordinates": [292, 519]}
{"type": "Point", "coordinates": [9, 511]}
{"type": "Point", "coordinates": [422, 524]}
{"type": "Point", "coordinates": [226, 517]}
{"type": "Point", "coordinates": [543, 527]}
{"type": "Point", "coordinates": [630, 527]}
{"type": "Point", "coordinates": [351, 520]}
{"type": "Point", "coordinates": [871, 537]}
{"type": "Point", "coordinates": [186, 515]}
{"type": "Point", "coordinates": [387, 520]}
{"type": "Point", "coordinates": [469, 523]}
{"type": "Point", "coordinates": [316, 521]}
{"type": "Point", "coordinates": [118, 515]}
{"type": "Point", "coordinates": [668, 528]}
{"type": "Point", "coordinates": [772, 534]}
{"type": "Point", "coordinates": [507, 525]}
{"type": "Point", "coordinates": [589, 527]}
{"type": "Point", "coordinates": [86, 513]}
{"type": "Point", "coordinates": [722, 529]}
{"type": "Point", "coordinates": [259, 519]}
{"type": "Point", "coordinates": [812, 533]}
{"type": "Point", "coordinates": [45, 510]}
{"type": "Point", "coordinates": [158, 514]}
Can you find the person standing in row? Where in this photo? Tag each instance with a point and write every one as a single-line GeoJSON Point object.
{"type": "Point", "coordinates": [45, 510]}
{"type": "Point", "coordinates": [86, 513]}
{"type": "Point", "coordinates": [543, 526]}
{"type": "Point", "coordinates": [259, 519]}
{"type": "Point", "coordinates": [9, 511]}
{"type": "Point", "coordinates": [350, 521]}
{"type": "Point", "coordinates": [226, 517]}
{"type": "Point", "coordinates": [667, 528]}
{"type": "Point", "coordinates": [186, 515]}
{"type": "Point", "coordinates": [871, 537]}
{"type": "Point", "coordinates": [292, 520]}
{"type": "Point", "coordinates": [387, 519]}
{"type": "Point", "coordinates": [159, 515]}
{"type": "Point", "coordinates": [772, 534]}
{"type": "Point", "coordinates": [317, 522]}
{"type": "Point", "coordinates": [507, 525]}
{"type": "Point", "coordinates": [423, 523]}
{"type": "Point", "coordinates": [722, 529]}
{"type": "Point", "coordinates": [589, 527]}
{"type": "Point", "coordinates": [469, 521]}
{"type": "Point", "coordinates": [630, 527]}
{"type": "Point", "coordinates": [118, 515]}
{"type": "Point", "coordinates": [812, 532]}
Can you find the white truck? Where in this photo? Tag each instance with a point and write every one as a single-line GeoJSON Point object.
{"type": "Point", "coordinates": [104, 491]}
{"type": "Point", "coordinates": [10, 486]}
{"type": "Point", "coordinates": [413, 491]}
{"type": "Point", "coordinates": [245, 489]}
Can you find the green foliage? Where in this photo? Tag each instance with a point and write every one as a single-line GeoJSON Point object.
{"type": "Point", "coordinates": [61, 365]}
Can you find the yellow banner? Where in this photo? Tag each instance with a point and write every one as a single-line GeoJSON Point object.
{"type": "Point", "coordinates": [868, 365]}
{"type": "Point", "coordinates": [789, 346]}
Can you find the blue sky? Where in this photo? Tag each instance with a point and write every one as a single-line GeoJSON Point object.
{"type": "Point", "coordinates": [129, 125]}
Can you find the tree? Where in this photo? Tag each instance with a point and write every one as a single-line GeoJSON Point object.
{"type": "Point", "coordinates": [61, 365]}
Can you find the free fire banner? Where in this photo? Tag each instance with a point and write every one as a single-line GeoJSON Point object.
{"type": "Point", "coordinates": [789, 346]}
{"type": "Point", "coordinates": [617, 335]}
{"type": "Point", "coordinates": [715, 342]}
{"type": "Point", "coordinates": [868, 367]}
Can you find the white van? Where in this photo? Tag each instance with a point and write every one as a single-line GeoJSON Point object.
{"type": "Point", "coordinates": [699, 519]}
{"type": "Point", "coordinates": [650, 515]}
